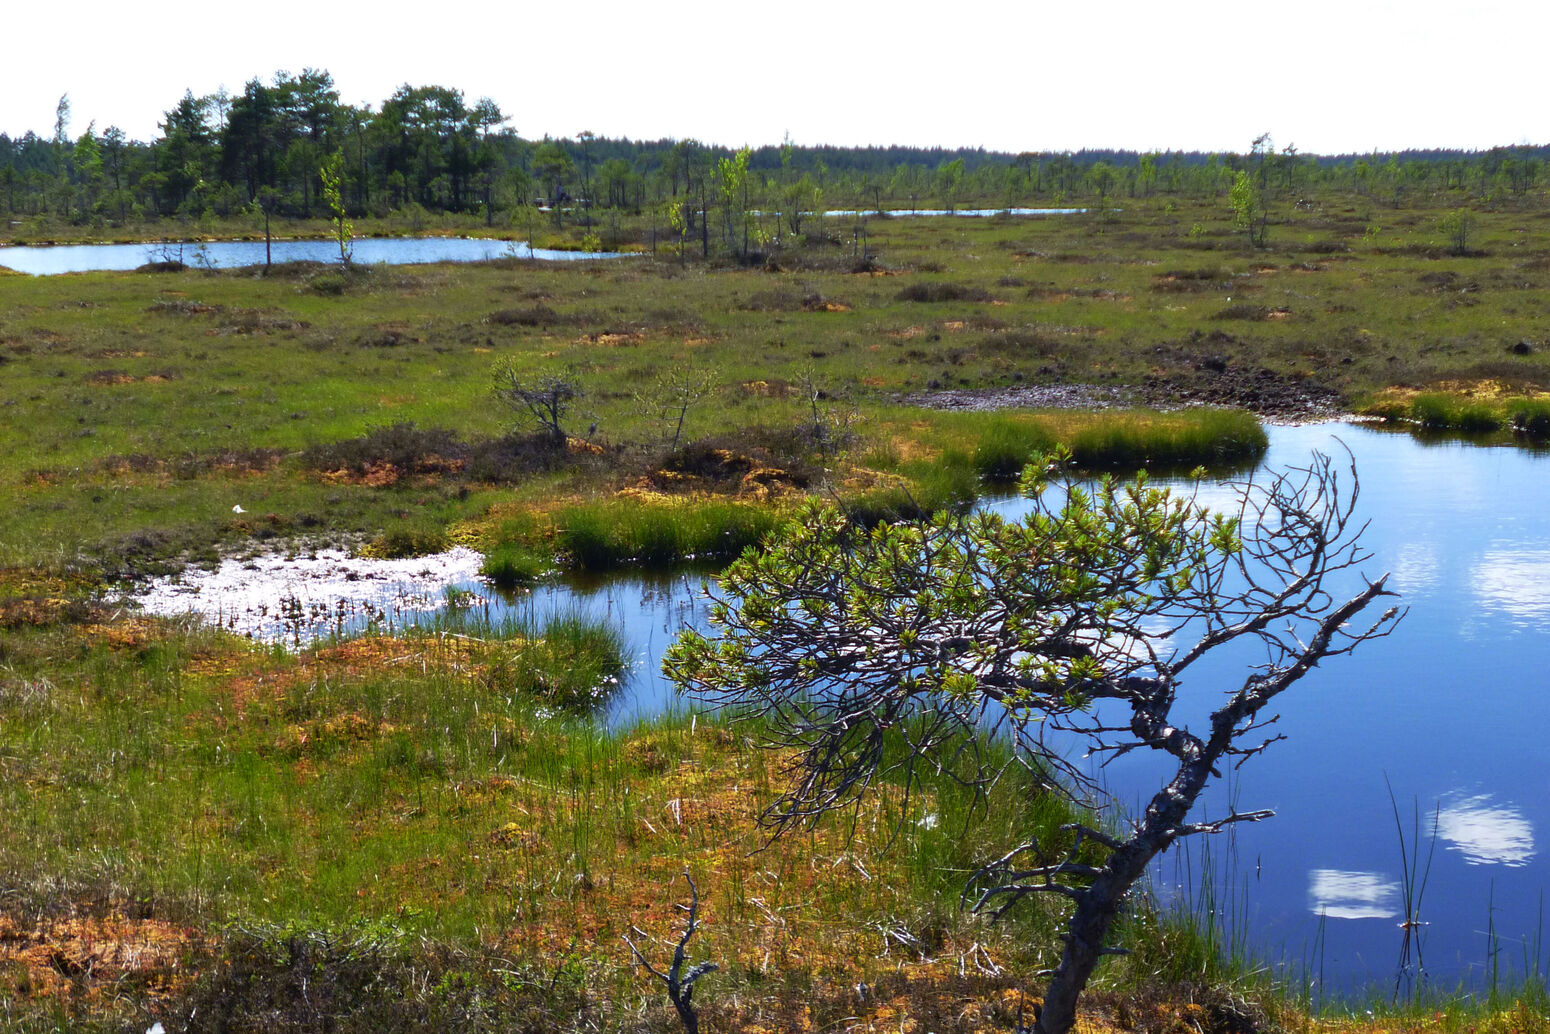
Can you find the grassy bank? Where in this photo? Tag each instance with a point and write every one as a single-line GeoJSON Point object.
{"type": "Point", "coordinates": [141, 408]}
{"type": "Point", "coordinates": [413, 829]}
{"type": "Point", "coordinates": [422, 798]}
{"type": "Point", "coordinates": [1487, 412]}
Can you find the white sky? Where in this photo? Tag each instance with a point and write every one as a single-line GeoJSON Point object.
{"type": "Point", "coordinates": [1327, 75]}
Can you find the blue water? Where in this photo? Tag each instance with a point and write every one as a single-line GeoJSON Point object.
{"type": "Point", "coordinates": [1452, 711]}
{"type": "Point", "coordinates": [47, 260]}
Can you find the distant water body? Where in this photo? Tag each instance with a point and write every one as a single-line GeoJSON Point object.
{"type": "Point", "coordinates": [48, 260]}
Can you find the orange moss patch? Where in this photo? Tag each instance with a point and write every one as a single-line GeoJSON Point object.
{"type": "Point", "coordinates": [613, 340]}
{"type": "Point", "coordinates": [128, 634]}
{"type": "Point", "coordinates": [335, 730]}
{"type": "Point", "coordinates": [1488, 389]}
{"type": "Point", "coordinates": [234, 670]}
{"type": "Point", "coordinates": [40, 611]}
{"type": "Point", "coordinates": [93, 958]}
{"type": "Point", "coordinates": [771, 389]}
{"type": "Point", "coordinates": [382, 474]}
{"type": "Point", "coordinates": [766, 483]}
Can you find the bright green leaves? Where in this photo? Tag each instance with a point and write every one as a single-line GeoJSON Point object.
{"type": "Point", "coordinates": [330, 173]}
{"type": "Point", "coordinates": [1032, 612]}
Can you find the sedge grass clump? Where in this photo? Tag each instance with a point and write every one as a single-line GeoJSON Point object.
{"type": "Point", "coordinates": [1530, 417]}
{"type": "Point", "coordinates": [572, 662]}
{"type": "Point", "coordinates": [1479, 418]}
{"type": "Point", "coordinates": [1434, 411]}
{"type": "Point", "coordinates": [1146, 440]}
{"type": "Point", "coordinates": [1437, 411]}
{"type": "Point", "coordinates": [1006, 447]}
{"type": "Point", "coordinates": [608, 535]}
{"type": "Point", "coordinates": [512, 565]}
{"type": "Point", "coordinates": [402, 543]}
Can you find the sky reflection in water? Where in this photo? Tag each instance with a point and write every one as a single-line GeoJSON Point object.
{"type": "Point", "coordinates": [1352, 895]}
{"type": "Point", "coordinates": [1486, 833]}
{"type": "Point", "coordinates": [1450, 712]}
{"type": "Point", "coordinates": [1515, 583]}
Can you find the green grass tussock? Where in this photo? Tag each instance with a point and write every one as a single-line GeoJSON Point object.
{"type": "Point", "coordinates": [1221, 437]}
{"type": "Point", "coordinates": [608, 535]}
{"type": "Point", "coordinates": [1450, 412]}
{"type": "Point", "coordinates": [1005, 448]}
{"type": "Point", "coordinates": [512, 565]}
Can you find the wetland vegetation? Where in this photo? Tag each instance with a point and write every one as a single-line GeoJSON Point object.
{"type": "Point", "coordinates": [421, 826]}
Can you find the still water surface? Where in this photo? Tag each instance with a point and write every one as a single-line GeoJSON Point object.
{"type": "Point", "coordinates": [80, 258]}
{"type": "Point", "coordinates": [1452, 711]}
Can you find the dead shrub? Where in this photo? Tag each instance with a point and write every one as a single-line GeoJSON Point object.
{"type": "Point", "coordinates": [943, 292]}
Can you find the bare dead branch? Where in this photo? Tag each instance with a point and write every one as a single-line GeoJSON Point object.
{"type": "Point", "coordinates": [876, 655]}
{"type": "Point", "coordinates": [680, 984]}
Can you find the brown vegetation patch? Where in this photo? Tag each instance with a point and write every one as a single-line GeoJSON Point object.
{"type": "Point", "coordinates": [774, 388]}
{"type": "Point", "coordinates": [943, 292]}
{"type": "Point", "coordinates": [610, 339]}
{"type": "Point", "coordinates": [537, 315]}
{"type": "Point", "coordinates": [1253, 312]}
{"type": "Point", "coordinates": [93, 958]}
{"type": "Point", "coordinates": [41, 611]}
{"type": "Point", "coordinates": [134, 634]}
{"type": "Point", "coordinates": [258, 321]}
{"type": "Point", "coordinates": [181, 307]}
{"type": "Point", "coordinates": [375, 475]}
{"type": "Point", "coordinates": [1193, 281]}
{"type": "Point", "coordinates": [765, 483]}
{"type": "Point", "coordinates": [246, 676]}
{"type": "Point", "coordinates": [387, 335]}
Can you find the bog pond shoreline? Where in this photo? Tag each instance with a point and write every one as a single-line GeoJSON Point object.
{"type": "Point", "coordinates": [1471, 569]}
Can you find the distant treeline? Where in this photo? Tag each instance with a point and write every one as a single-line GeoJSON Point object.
{"type": "Point", "coordinates": [427, 148]}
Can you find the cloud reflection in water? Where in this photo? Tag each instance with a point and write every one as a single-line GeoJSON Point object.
{"type": "Point", "coordinates": [1486, 833]}
{"type": "Point", "coordinates": [1352, 895]}
{"type": "Point", "coordinates": [1515, 582]}
{"type": "Point", "coordinates": [1416, 568]}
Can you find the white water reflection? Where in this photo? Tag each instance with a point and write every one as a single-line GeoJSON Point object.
{"type": "Point", "coordinates": [1486, 833]}
{"type": "Point", "coordinates": [1515, 582]}
{"type": "Point", "coordinates": [1416, 568]}
{"type": "Point", "coordinates": [302, 597]}
{"type": "Point", "coordinates": [1339, 894]}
